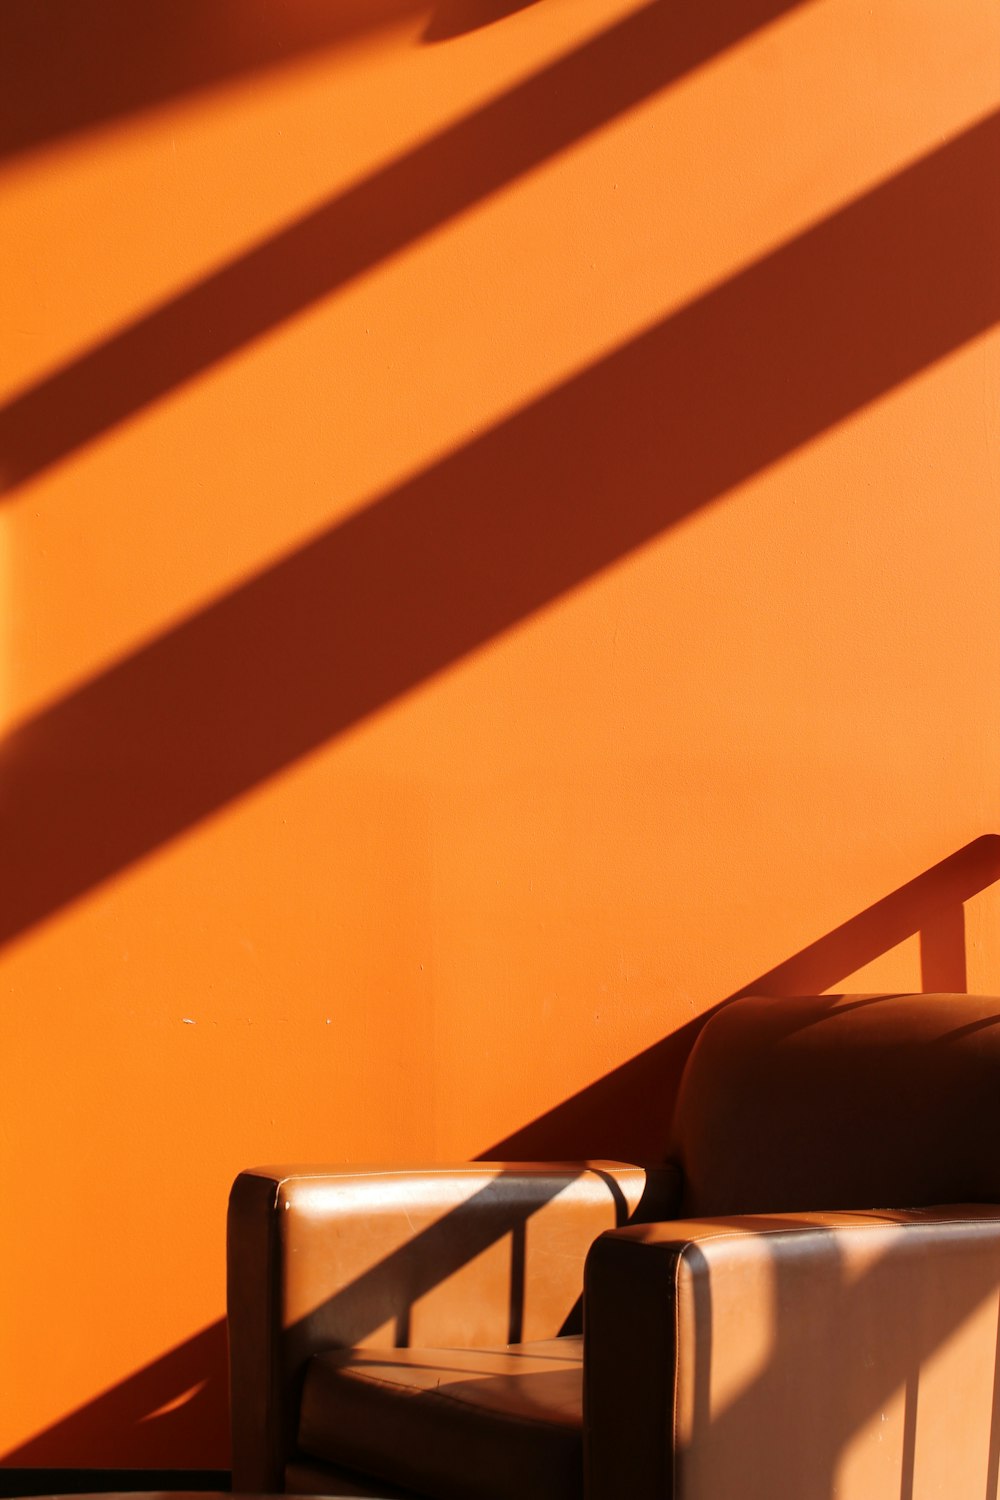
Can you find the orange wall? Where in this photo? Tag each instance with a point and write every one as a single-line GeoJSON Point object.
{"type": "Point", "coordinates": [500, 551]}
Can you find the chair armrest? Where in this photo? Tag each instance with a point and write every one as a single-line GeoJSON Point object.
{"type": "Point", "coordinates": [482, 1253]}
{"type": "Point", "coordinates": [806, 1355]}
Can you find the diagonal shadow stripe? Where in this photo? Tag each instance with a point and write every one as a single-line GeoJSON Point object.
{"type": "Point", "coordinates": [390, 210]}
{"type": "Point", "coordinates": [483, 539]}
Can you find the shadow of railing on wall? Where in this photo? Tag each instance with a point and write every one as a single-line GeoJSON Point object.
{"type": "Point", "coordinates": [626, 1114]}
{"type": "Point", "coordinates": [171, 1404]}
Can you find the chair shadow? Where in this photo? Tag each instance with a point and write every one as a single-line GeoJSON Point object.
{"type": "Point", "coordinates": [179, 1401]}
{"type": "Point", "coordinates": [162, 1410]}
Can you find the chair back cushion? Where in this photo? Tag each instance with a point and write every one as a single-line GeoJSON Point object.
{"type": "Point", "coordinates": [823, 1102]}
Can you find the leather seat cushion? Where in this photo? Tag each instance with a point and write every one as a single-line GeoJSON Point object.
{"type": "Point", "coordinates": [503, 1422]}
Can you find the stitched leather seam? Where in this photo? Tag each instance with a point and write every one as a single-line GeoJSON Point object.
{"type": "Point", "coordinates": [760, 1234]}
{"type": "Point", "coordinates": [676, 1362]}
{"type": "Point", "coordinates": [275, 1420]}
{"type": "Point", "coordinates": [569, 1173]}
{"type": "Point", "coordinates": [468, 1406]}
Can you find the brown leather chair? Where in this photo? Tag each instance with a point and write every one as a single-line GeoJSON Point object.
{"type": "Point", "coordinates": [802, 1304]}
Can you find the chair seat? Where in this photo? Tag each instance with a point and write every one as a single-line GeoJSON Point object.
{"type": "Point", "coordinates": [431, 1419]}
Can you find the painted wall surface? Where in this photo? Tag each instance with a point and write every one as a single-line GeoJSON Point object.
{"type": "Point", "coordinates": [499, 551]}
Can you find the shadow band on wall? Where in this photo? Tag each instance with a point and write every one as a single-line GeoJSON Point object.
{"type": "Point", "coordinates": [625, 1116]}
{"type": "Point", "coordinates": [482, 540]}
{"type": "Point", "coordinates": [389, 211]}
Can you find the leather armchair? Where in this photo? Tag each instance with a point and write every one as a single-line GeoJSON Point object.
{"type": "Point", "coordinates": [801, 1303]}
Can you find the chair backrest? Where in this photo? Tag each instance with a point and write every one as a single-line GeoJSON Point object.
{"type": "Point", "coordinates": [888, 1101]}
